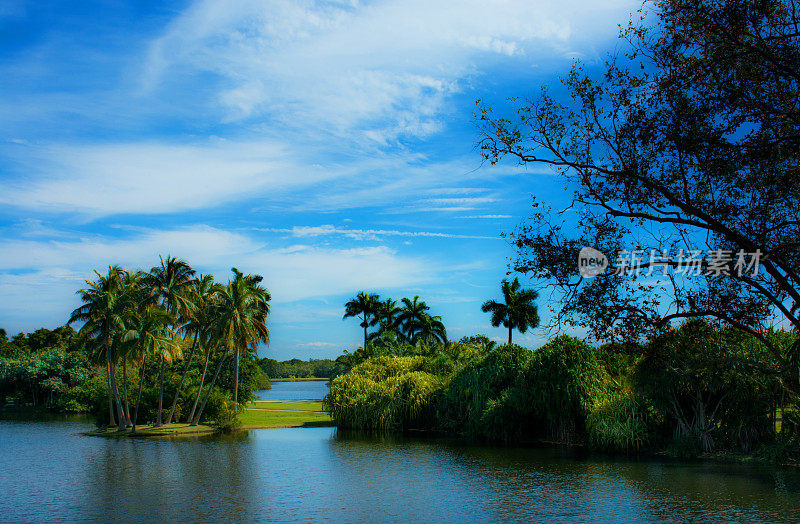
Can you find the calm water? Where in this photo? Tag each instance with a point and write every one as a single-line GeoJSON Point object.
{"type": "Point", "coordinates": [50, 472]}
{"type": "Point", "coordinates": [300, 390]}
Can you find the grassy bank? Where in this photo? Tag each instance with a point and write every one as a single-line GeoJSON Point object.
{"type": "Point", "coordinates": [257, 415]}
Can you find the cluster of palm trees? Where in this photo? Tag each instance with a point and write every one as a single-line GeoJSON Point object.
{"type": "Point", "coordinates": [410, 321]}
{"type": "Point", "coordinates": [133, 316]}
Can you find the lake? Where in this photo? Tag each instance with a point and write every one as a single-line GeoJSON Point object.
{"type": "Point", "coordinates": [297, 390]}
{"type": "Point", "coordinates": [48, 471]}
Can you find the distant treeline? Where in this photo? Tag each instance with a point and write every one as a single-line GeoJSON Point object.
{"type": "Point", "coordinates": [296, 368]}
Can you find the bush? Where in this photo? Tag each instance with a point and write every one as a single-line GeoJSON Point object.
{"type": "Point", "coordinates": [226, 418]}
{"type": "Point", "coordinates": [383, 393]}
{"type": "Point", "coordinates": [618, 423]}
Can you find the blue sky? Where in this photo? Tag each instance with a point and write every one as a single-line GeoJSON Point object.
{"type": "Point", "coordinates": [328, 146]}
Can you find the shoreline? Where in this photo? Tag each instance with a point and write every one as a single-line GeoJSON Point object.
{"type": "Point", "coordinates": [311, 379]}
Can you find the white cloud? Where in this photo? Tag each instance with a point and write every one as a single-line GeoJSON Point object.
{"type": "Point", "coordinates": [150, 177]}
{"type": "Point", "coordinates": [365, 234]}
{"type": "Point", "coordinates": [376, 71]}
{"type": "Point", "coordinates": [38, 278]}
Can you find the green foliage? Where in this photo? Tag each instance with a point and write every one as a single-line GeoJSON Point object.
{"type": "Point", "coordinates": [708, 382]}
{"type": "Point", "coordinates": [226, 418]}
{"type": "Point", "coordinates": [505, 394]}
{"type": "Point", "coordinates": [383, 393]}
{"type": "Point", "coordinates": [618, 423]}
{"type": "Point", "coordinates": [296, 368]}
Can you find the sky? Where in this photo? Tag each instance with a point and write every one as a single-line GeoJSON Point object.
{"type": "Point", "coordinates": [328, 146]}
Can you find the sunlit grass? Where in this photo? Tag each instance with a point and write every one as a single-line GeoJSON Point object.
{"type": "Point", "coordinates": [290, 405]}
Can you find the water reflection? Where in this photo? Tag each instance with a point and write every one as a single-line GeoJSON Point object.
{"type": "Point", "coordinates": [48, 470]}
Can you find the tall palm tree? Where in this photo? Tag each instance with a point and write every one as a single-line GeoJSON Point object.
{"type": "Point", "coordinates": [365, 307]}
{"type": "Point", "coordinates": [427, 329]}
{"type": "Point", "coordinates": [517, 312]}
{"type": "Point", "coordinates": [103, 313]}
{"type": "Point", "coordinates": [410, 315]}
{"type": "Point", "coordinates": [148, 334]}
{"type": "Point", "coordinates": [170, 283]}
{"type": "Point", "coordinates": [387, 314]}
{"type": "Point", "coordinates": [200, 295]}
{"type": "Point", "coordinates": [134, 298]}
{"type": "Point", "coordinates": [240, 314]}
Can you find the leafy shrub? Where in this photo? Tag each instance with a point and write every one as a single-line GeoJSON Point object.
{"type": "Point", "coordinates": [617, 423]}
{"type": "Point", "coordinates": [383, 393]}
{"type": "Point", "coordinates": [226, 418]}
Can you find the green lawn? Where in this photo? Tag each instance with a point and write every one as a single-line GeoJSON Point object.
{"type": "Point", "coordinates": [301, 405]}
{"type": "Point", "coordinates": [259, 418]}
{"type": "Point", "coordinates": [253, 419]}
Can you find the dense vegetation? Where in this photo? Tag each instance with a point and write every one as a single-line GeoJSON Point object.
{"type": "Point", "coordinates": [140, 334]}
{"type": "Point", "coordinates": [696, 388]}
{"type": "Point", "coordinates": [53, 369]}
{"type": "Point", "coordinates": [296, 368]}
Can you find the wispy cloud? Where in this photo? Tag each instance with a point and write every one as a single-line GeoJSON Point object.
{"type": "Point", "coordinates": [364, 234]}
{"type": "Point", "coordinates": [44, 274]}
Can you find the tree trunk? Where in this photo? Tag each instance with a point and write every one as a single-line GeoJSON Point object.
{"type": "Point", "coordinates": [200, 389]}
{"type": "Point", "coordinates": [197, 415]}
{"type": "Point", "coordinates": [509, 334]}
{"type": "Point", "coordinates": [111, 421]}
{"type": "Point", "coordinates": [236, 380]}
{"type": "Point", "coordinates": [160, 395]}
{"type": "Point", "coordinates": [120, 412]}
{"type": "Point", "coordinates": [125, 391]}
{"type": "Point", "coordinates": [180, 384]}
{"type": "Point", "coordinates": [365, 334]}
{"type": "Point", "coordinates": [139, 395]}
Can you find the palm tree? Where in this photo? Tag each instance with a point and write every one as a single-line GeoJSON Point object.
{"type": "Point", "coordinates": [410, 315]}
{"type": "Point", "coordinates": [518, 312]}
{"type": "Point", "coordinates": [365, 305]}
{"type": "Point", "coordinates": [387, 314]}
{"type": "Point", "coordinates": [103, 312]}
{"type": "Point", "coordinates": [148, 334]}
{"type": "Point", "coordinates": [200, 295]}
{"type": "Point", "coordinates": [427, 329]}
{"type": "Point", "coordinates": [170, 283]}
{"type": "Point", "coordinates": [240, 316]}
{"type": "Point", "coordinates": [131, 289]}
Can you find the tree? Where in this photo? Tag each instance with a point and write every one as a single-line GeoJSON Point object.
{"type": "Point", "coordinates": [517, 311]}
{"type": "Point", "coordinates": [103, 313]}
{"type": "Point", "coordinates": [387, 313]}
{"type": "Point", "coordinates": [411, 313]}
{"type": "Point", "coordinates": [240, 316]}
{"type": "Point", "coordinates": [201, 297]}
{"type": "Point", "coordinates": [427, 329]}
{"type": "Point", "coordinates": [366, 306]}
{"type": "Point", "coordinates": [689, 141]}
{"type": "Point", "coordinates": [148, 334]}
{"type": "Point", "coordinates": [170, 283]}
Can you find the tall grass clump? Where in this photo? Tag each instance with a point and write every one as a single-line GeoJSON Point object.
{"type": "Point", "coordinates": [618, 423]}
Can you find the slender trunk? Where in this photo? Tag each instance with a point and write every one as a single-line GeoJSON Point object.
{"type": "Point", "coordinates": [199, 413]}
{"type": "Point", "coordinates": [120, 412]}
{"type": "Point", "coordinates": [200, 389]}
{"type": "Point", "coordinates": [160, 395]}
{"type": "Point", "coordinates": [111, 421]}
{"type": "Point", "coordinates": [509, 334]}
{"type": "Point", "coordinates": [139, 395]}
{"type": "Point", "coordinates": [365, 334]}
{"type": "Point", "coordinates": [125, 391]}
{"type": "Point", "coordinates": [180, 384]}
{"type": "Point", "coordinates": [236, 380]}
